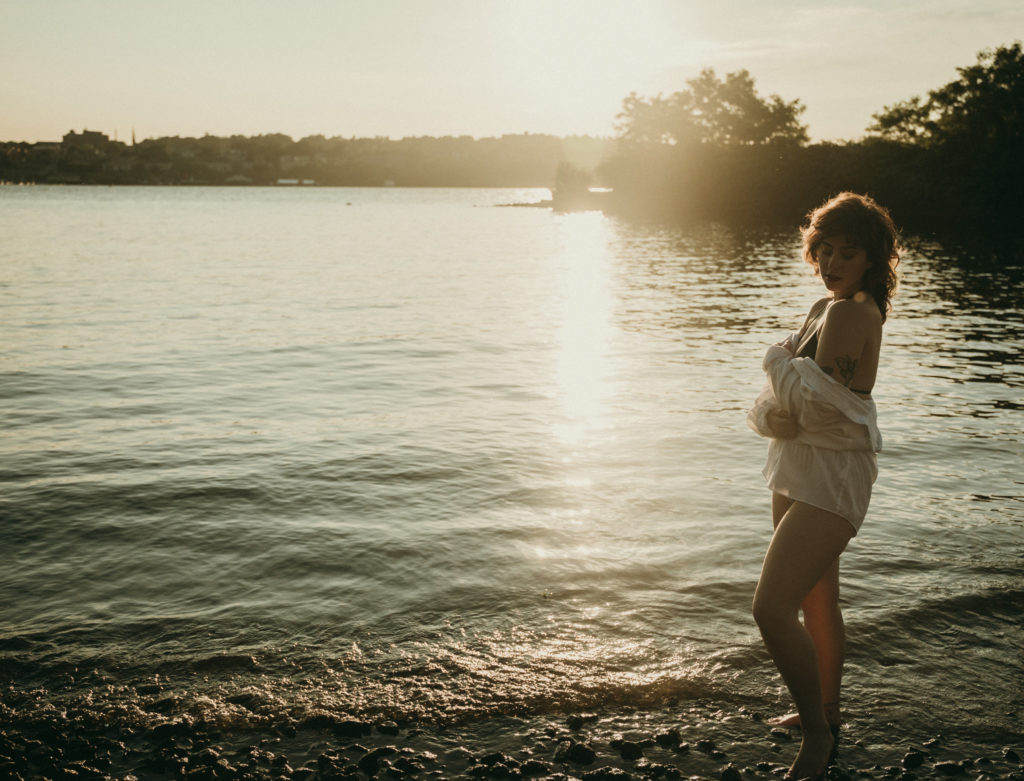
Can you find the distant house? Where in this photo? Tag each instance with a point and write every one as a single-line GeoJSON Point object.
{"type": "Point", "coordinates": [91, 138]}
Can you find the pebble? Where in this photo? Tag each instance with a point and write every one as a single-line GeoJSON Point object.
{"type": "Point", "coordinates": [730, 773]}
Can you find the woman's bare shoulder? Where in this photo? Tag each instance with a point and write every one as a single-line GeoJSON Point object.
{"type": "Point", "coordinates": [859, 311]}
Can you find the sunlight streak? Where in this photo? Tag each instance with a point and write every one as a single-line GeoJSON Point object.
{"type": "Point", "coordinates": [584, 378]}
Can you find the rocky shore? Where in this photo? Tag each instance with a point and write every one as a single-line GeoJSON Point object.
{"type": "Point", "coordinates": [698, 743]}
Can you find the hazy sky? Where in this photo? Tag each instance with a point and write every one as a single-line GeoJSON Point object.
{"type": "Point", "coordinates": [461, 67]}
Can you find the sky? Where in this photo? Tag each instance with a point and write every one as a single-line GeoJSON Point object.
{"type": "Point", "coordinates": [358, 68]}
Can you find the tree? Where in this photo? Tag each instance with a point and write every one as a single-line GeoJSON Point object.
{"type": "Point", "coordinates": [984, 106]}
{"type": "Point", "coordinates": [726, 112]}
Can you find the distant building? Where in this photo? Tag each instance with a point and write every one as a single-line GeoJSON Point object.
{"type": "Point", "coordinates": [46, 146]}
{"type": "Point", "coordinates": [86, 138]}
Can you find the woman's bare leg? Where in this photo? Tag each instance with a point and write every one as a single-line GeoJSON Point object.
{"type": "Point", "coordinates": [804, 547]}
{"type": "Point", "coordinates": [824, 622]}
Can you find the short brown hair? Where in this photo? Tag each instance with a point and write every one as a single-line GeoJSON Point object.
{"type": "Point", "coordinates": [862, 221]}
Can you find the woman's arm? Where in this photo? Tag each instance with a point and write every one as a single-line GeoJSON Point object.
{"type": "Point", "coordinates": [842, 340]}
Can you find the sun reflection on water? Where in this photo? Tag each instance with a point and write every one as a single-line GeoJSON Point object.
{"type": "Point", "coordinates": [584, 376]}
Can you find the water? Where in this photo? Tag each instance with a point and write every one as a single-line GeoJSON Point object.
{"type": "Point", "coordinates": [402, 454]}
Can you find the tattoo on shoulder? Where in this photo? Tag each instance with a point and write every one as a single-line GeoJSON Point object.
{"type": "Point", "coordinates": [847, 366]}
{"type": "Point", "coordinates": [827, 370]}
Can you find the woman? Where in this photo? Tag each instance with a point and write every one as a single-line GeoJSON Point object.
{"type": "Point", "coordinates": [817, 411]}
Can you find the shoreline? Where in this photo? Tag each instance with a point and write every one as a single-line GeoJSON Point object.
{"type": "Point", "coordinates": [696, 741]}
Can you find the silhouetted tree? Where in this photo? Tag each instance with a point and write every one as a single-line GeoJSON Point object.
{"type": "Point", "coordinates": [985, 105]}
{"type": "Point", "coordinates": [711, 110]}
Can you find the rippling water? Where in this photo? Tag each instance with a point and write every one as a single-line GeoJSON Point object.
{"type": "Point", "coordinates": [403, 454]}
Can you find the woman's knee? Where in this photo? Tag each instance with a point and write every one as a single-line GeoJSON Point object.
{"type": "Point", "coordinates": [770, 612]}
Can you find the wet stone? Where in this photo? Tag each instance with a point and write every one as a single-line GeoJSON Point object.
{"type": "Point", "coordinates": [630, 750]}
{"type": "Point", "coordinates": [780, 734]}
{"type": "Point", "coordinates": [350, 728]}
{"type": "Point", "coordinates": [607, 773]}
{"type": "Point", "coordinates": [662, 771]}
{"type": "Point", "coordinates": [370, 762]}
{"type": "Point", "coordinates": [669, 738]}
{"type": "Point", "coordinates": [534, 767]}
{"type": "Point", "coordinates": [706, 745]}
{"type": "Point", "coordinates": [1011, 756]}
{"type": "Point", "coordinates": [571, 751]}
{"type": "Point", "coordinates": [388, 728]}
{"type": "Point", "coordinates": [912, 759]}
{"type": "Point", "coordinates": [949, 768]}
{"type": "Point", "coordinates": [577, 720]}
{"type": "Point", "coordinates": [494, 758]}
{"type": "Point", "coordinates": [731, 773]}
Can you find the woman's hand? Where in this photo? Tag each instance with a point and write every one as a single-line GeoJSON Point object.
{"type": "Point", "coordinates": [781, 424]}
{"type": "Point", "coordinates": [788, 344]}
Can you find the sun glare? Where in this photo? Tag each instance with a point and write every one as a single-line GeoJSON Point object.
{"type": "Point", "coordinates": [584, 378]}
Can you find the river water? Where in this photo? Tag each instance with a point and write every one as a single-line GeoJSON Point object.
{"type": "Point", "coordinates": [404, 454]}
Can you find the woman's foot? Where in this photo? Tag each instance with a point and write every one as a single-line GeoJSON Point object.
{"type": "Point", "coordinates": [832, 713]}
{"type": "Point", "coordinates": [814, 756]}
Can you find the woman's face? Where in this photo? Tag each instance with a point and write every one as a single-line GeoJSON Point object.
{"type": "Point", "coordinates": [841, 265]}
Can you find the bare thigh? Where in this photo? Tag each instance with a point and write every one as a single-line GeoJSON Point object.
{"type": "Point", "coordinates": [804, 549]}
{"type": "Point", "coordinates": [825, 592]}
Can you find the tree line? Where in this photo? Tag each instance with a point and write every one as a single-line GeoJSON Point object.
{"type": "Point", "coordinates": [90, 157]}
{"type": "Point", "coordinates": [718, 150]}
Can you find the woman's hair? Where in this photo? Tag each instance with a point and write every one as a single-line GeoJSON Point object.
{"type": "Point", "coordinates": [861, 221]}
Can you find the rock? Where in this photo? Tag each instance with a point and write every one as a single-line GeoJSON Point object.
{"type": "Point", "coordinates": [607, 773]}
{"type": "Point", "coordinates": [207, 756]}
{"type": "Point", "coordinates": [577, 720]}
{"type": "Point", "coordinates": [912, 759]}
{"type": "Point", "coordinates": [388, 728]}
{"type": "Point", "coordinates": [495, 758]}
{"type": "Point", "coordinates": [730, 773]}
{"type": "Point", "coordinates": [669, 738]}
{"type": "Point", "coordinates": [716, 754]}
{"type": "Point", "coordinates": [572, 751]}
{"type": "Point", "coordinates": [662, 771]}
{"type": "Point", "coordinates": [410, 766]}
{"type": "Point", "coordinates": [630, 750]}
{"type": "Point", "coordinates": [949, 768]}
{"type": "Point", "coordinates": [1011, 756]}
{"type": "Point", "coordinates": [350, 728]}
{"type": "Point", "coordinates": [370, 761]}
{"type": "Point", "coordinates": [534, 767]}
{"type": "Point", "coordinates": [706, 745]}
{"type": "Point", "coordinates": [780, 734]}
